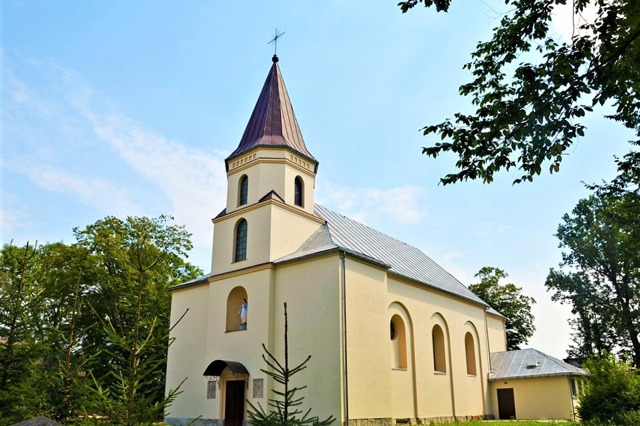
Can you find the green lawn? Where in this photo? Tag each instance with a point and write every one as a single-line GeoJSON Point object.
{"type": "Point", "coordinates": [514, 423]}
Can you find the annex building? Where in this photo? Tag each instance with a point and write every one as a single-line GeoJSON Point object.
{"type": "Point", "coordinates": [394, 338]}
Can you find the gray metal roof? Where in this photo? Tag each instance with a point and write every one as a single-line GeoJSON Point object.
{"type": "Point", "coordinates": [346, 234]}
{"type": "Point", "coordinates": [525, 363]}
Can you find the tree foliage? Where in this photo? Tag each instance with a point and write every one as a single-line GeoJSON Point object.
{"type": "Point", "coordinates": [85, 327]}
{"type": "Point", "coordinates": [532, 93]}
{"type": "Point", "coordinates": [284, 407]}
{"type": "Point", "coordinates": [20, 306]}
{"type": "Point", "coordinates": [509, 301]}
{"type": "Point", "coordinates": [593, 327]}
{"type": "Point", "coordinates": [601, 242]}
{"type": "Point", "coordinates": [139, 259]}
{"type": "Point", "coordinates": [612, 394]}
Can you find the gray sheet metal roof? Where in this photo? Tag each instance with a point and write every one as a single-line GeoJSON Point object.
{"type": "Point", "coordinates": [525, 363]}
{"type": "Point", "coordinates": [346, 234]}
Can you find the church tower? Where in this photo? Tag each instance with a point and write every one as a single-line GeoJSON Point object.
{"type": "Point", "coordinates": [270, 185]}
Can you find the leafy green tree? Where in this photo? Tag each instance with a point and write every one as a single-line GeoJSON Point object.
{"type": "Point", "coordinates": [601, 241]}
{"type": "Point", "coordinates": [285, 405]}
{"type": "Point", "coordinates": [532, 93]}
{"type": "Point", "coordinates": [509, 301]}
{"type": "Point", "coordinates": [593, 327]}
{"type": "Point", "coordinates": [58, 386]}
{"type": "Point", "coordinates": [20, 304]}
{"type": "Point", "coordinates": [612, 393]}
{"type": "Point", "coordinates": [138, 258]}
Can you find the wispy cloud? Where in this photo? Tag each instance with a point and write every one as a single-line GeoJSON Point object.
{"type": "Point", "coordinates": [66, 136]}
{"type": "Point", "coordinates": [398, 205]}
{"type": "Point", "coordinates": [192, 179]}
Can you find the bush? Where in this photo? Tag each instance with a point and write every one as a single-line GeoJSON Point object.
{"type": "Point", "coordinates": [612, 394]}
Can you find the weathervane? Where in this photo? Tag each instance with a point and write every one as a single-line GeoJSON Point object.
{"type": "Point", "coordinates": [274, 40]}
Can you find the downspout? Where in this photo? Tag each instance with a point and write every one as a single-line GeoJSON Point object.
{"type": "Point", "coordinates": [344, 337]}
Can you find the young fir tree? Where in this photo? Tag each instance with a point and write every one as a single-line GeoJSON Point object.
{"type": "Point", "coordinates": [285, 405]}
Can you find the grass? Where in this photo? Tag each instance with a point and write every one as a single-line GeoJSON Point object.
{"type": "Point", "coordinates": [514, 423]}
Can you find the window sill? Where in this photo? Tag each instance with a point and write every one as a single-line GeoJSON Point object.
{"type": "Point", "coordinates": [233, 331]}
{"type": "Point", "coordinates": [398, 369]}
{"type": "Point", "coordinates": [440, 373]}
{"type": "Point", "coordinates": [472, 375]}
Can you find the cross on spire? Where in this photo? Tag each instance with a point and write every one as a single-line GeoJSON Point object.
{"type": "Point", "coordinates": [274, 40]}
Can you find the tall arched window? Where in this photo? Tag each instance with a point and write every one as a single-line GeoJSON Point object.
{"type": "Point", "coordinates": [243, 190]}
{"type": "Point", "coordinates": [398, 342]}
{"type": "Point", "coordinates": [237, 309]}
{"type": "Point", "coordinates": [299, 192]}
{"type": "Point", "coordinates": [439, 359]}
{"type": "Point", "coordinates": [240, 249]}
{"type": "Point", "coordinates": [470, 350]}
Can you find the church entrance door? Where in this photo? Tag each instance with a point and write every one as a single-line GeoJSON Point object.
{"type": "Point", "coordinates": [234, 403]}
{"type": "Point", "coordinates": [506, 404]}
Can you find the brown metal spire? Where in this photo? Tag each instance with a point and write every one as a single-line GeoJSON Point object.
{"type": "Point", "coordinates": [273, 122]}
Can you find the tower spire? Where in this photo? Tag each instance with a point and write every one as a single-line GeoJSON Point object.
{"type": "Point", "coordinates": [273, 122]}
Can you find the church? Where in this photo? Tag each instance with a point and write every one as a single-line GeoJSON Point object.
{"type": "Point", "coordinates": [393, 337]}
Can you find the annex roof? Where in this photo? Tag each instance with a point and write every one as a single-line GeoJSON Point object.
{"type": "Point", "coordinates": [523, 363]}
{"type": "Point", "coordinates": [346, 234]}
{"type": "Point", "coordinates": [273, 122]}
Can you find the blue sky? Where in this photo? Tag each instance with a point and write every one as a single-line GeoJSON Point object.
{"type": "Point", "coordinates": [129, 108]}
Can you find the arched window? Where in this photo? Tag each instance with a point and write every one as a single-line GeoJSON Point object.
{"type": "Point", "coordinates": [299, 192]}
{"type": "Point", "coordinates": [243, 190]}
{"type": "Point", "coordinates": [439, 359]}
{"type": "Point", "coordinates": [470, 350]}
{"type": "Point", "coordinates": [240, 249]}
{"type": "Point", "coordinates": [398, 342]}
{"type": "Point", "coordinates": [237, 309]}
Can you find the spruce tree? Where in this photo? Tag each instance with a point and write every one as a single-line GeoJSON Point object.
{"type": "Point", "coordinates": [285, 405]}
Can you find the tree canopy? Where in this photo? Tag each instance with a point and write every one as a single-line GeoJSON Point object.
{"type": "Point", "coordinates": [532, 93]}
{"type": "Point", "coordinates": [86, 325]}
{"type": "Point", "coordinates": [601, 277]}
{"type": "Point", "coordinates": [509, 301]}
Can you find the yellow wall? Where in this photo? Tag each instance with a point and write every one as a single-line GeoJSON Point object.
{"type": "Point", "coordinates": [376, 389]}
{"type": "Point", "coordinates": [273, 230]}
{"type": "Point", "coordinates": [312, 294]}
{"type": "Point", "coordinates": [497, 333]}
{"type": "Point", "coordinates": [188, 350]}
{"type": "Point", "coordinates": [369, 356]}
{"type": "Point", "coordinates": [537, 398]}
{"type": "Point", "coordinates": [271, 169]}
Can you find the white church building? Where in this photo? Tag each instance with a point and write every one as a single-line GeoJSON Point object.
{"type": "Point", "coordinates": [394, 338]}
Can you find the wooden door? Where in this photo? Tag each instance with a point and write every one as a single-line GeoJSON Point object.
{"type": "Point", "coordinates": [506, 404]}
{"type": "Point", "coordinates": [234, 403]}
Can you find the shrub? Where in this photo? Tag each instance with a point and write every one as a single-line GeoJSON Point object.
{"type": "Point", "coordinates": [612, 394]}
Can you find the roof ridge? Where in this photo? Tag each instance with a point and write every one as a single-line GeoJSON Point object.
{"type": "Point", "coordinates": [403, 258]}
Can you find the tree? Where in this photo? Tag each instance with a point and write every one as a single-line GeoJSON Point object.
{"type": "Point", "coordinates": [612, 394]}
{"type": "Point", "coordinates": [529, 114]}
{"type": "Point", "coordinates": [509, 301]}
{"type": "Point", "coordinates": [138, 259]}
{"type": "Point", "coordinates": [286, 402]}
{"type": "Point", "coordinates": [84, 328]}
{"type": "Point", "coordinates": [593, 329]}
{"type": "Point", "coordinates": [57, 385]}
{"type": "Point", "coordinates": [19, 300]}
{"type": "Point", "coordinates": [601, 241]}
